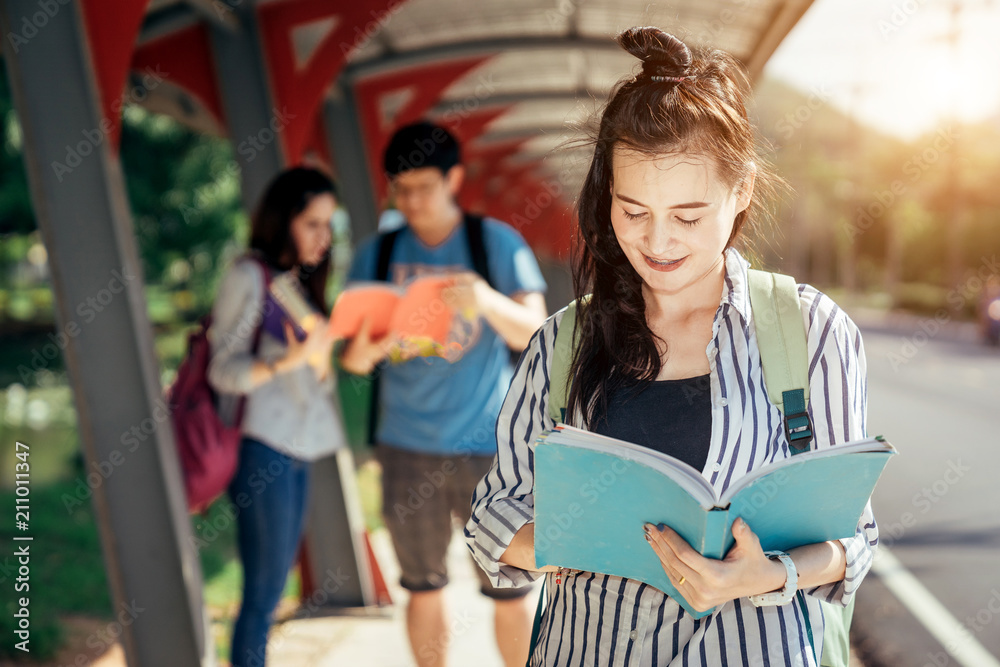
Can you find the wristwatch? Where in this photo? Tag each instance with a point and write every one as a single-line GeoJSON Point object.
{"type": "Point", "coordinates": [785, 595]}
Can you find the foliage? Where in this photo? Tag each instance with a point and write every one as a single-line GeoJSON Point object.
{"type": "Point", "coordinates": [185, 195]}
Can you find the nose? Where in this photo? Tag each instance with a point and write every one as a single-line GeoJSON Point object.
{"type": "Point", "coordinates": [659, 237]}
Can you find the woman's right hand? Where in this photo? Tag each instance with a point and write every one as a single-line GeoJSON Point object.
{"type": "Point", "coordinates": [315, 348]}
{"type": "Point", "coordinates": [362, 353]}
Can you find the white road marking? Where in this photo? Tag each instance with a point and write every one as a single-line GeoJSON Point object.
{"type": "Point", "coordinates": [960, 643]}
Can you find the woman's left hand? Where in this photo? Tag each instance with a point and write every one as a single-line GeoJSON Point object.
{"type": "Point", "coordinates": [706, 582]}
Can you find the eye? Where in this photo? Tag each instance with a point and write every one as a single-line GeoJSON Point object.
{"type": "Point", "coordinates": [633, 216]}
{"type": "Point", "coordinates": [689, 222]}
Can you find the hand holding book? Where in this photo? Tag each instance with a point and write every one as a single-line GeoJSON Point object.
{"type": "Point", "coordinates": [427, 317]}
{"type": "Point", "coordinates": [594, 494]}
{"type": "Point", "coordinates": [707, 582]}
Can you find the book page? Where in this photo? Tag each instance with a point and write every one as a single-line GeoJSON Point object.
{"type": "Point", "coordinates": [875, 444]}
{"type": "Point", "coordinates": [686, 476]}
{"type": "Point", "coordinates": [423, 315]}
{"type": "Point", "coordinates": [374, 300]}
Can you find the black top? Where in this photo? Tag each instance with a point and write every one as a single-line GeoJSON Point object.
{"type": "Point", "coordinates": [669, 416]}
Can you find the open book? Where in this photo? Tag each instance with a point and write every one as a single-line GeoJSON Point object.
{"type": "Point", "coordinates": [419, 312]}
{"type": "Point", "coordinates": [593, 494]}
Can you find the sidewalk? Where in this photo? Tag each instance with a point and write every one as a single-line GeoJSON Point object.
{"type": "Point", "coordinates": [335, 641]}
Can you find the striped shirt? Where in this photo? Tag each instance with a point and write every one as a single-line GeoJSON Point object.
{"type": "Point", "coordinates": [595, 619]}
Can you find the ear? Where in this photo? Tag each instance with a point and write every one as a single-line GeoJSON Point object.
{"type": "Point", "coordinates": [745, 193]}
{"type": "Point", "coordinates": [455, 177]}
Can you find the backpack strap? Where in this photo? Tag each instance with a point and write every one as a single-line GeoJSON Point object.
{"type": "Point", "coordinates": [265, 276]}
{"type": "Point", "coordinates": [562, 361]}
{"type": "Point", "coordinates": [477, 249]}
{"type": "Point", "coordinates": [386, 243]}
{"type": "Point", "coordinates": [477, 246]}
{"type": "Point", "coordinates": [781, 339]}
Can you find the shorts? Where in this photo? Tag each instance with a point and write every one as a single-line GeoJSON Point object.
{"type": "Point", "coordinates": [420, 494]}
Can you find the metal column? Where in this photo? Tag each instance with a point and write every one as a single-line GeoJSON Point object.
{"type": "Point", "coordinates": [83, 214]}
{"type": "Point", "coordinates": [254, 121]}
{"type": "Point", "coordinates": [348, 149]}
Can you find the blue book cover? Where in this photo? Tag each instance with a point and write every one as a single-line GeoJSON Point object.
{"type": "Point", "coordinates": [593, 494]}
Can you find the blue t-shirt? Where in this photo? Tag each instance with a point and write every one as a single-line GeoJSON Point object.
{"type": "Point", "coordinates": [430, 404]}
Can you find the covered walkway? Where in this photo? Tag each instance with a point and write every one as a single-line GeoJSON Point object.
{"type": "Point", "coordinates": [292, 81]}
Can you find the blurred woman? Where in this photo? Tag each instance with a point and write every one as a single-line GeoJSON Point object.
{"type": "Point", "coordinates": [284, 372]}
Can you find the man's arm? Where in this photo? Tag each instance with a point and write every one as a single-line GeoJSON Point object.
{"type": "Point", "coordinates": [516, 318]}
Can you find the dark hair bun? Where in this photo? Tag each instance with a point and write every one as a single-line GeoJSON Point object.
{"type": "Point", "coordinates": [661, 53]}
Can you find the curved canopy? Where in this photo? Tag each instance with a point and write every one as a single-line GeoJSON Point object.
{"type": "Point", "coordinates": [514, 79]}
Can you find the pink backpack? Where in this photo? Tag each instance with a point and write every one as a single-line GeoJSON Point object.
{"type": "Point", "coordinates": [208, 449]}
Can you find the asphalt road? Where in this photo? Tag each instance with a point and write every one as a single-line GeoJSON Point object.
{"type": "Point", "coordinates": [937, 399]}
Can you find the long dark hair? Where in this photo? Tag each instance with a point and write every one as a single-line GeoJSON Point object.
{"type": "Point", "coordinates": [287, 195]}
{"type": "Point", "coordinates": [685, 101]}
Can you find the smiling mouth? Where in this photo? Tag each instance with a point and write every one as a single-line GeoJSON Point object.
{"type": "Point", "coordinates": [665, 262]}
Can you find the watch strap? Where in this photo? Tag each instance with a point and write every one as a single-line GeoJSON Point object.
{"type": "Point", "coordinates": [787, 593]}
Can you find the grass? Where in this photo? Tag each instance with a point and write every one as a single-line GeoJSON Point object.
{"type": "Point", "coordinates": [68, 577]}
{"type": "Point", "coordinates": [66, 556]}
{"type": "Point", "coordinates": [67, 571]}
{"type": "Point", "coordinates": [66, 553]}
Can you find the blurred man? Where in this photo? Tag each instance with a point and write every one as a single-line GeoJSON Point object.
{"type": "Point", "coordinates": [436, 436]}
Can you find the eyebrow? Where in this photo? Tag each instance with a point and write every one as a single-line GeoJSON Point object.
{"type": "Point", "coordinates": [693, 204]}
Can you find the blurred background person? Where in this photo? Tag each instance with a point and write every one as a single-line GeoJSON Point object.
{"type": "Point", "coordinates": [438, 415]}
{"type": "Point", "coordinates": [289, 417]}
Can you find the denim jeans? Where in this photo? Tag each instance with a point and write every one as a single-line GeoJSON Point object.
{"type": "Point", "coordinates": [269, 490]}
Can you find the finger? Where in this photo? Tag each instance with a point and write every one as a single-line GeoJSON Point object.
{"type": "Point", "coordinates": [684, 552]}
{"type": "Point", "coordinates": [364, 331]}
{"type": "Point", "coordinates": [744, 536]}
{"type": "Point", "coordinates": [747, 543]}
{"type": "Point", "coordinates": [678, 568]}
{"type": "Point", "coordinates": [667, 558]}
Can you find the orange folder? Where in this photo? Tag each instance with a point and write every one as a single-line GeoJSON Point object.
{"type": "Point", "coordinates": [417, 312]}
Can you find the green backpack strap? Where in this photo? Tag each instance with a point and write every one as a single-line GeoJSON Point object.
{"type": "Point", "coordinates": [784, 356]}
{"type": "Point", "coordinates": [562, 360]}
{"type": "Point", "coordinates": [781, 339]}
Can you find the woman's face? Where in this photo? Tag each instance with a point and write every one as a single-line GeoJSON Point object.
{"type": "Point", "coordinates": [672, 216]}
{"type": "Point", "coordinates": [310, 229]}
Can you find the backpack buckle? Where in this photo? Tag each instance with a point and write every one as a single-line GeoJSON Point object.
{"type": "Point", "coordinates": [798, 430]}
